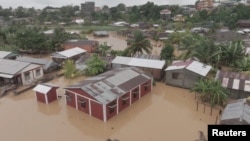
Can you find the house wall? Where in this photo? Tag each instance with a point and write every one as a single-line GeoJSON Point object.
{"type": "Point", "coordinates": [96, 110]}
{"type": "Point", "coordinates": [170, 79]}
{"type": "Point", "coordinates": [190, 79]}
{"type": "Point", "coordinates": [70, 99]}
{"type": "Point", "coordinates": [33, 75]}
{"type": "Point", "coordinates": [84, 107]}
{"type": "Point", "coordinates": [52, 95]}
{"type": "Point", "coordinates": [145, 88]}
{"type": "Point", "coordinates": [135, 94]}
{"type": "Point", "coordinates": [124, 101]}
{"type": "Point", "coordinates": [40, 97]}
{"type": "Point", "coordinates": [111, 111]}
{"type": "Point", "coordinates": [238, 94]}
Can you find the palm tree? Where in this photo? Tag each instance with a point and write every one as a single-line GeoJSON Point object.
{"type": "Point", "coordinates": [232, 52]}
{"type": "Point", "coordinates": [139, 44]}
{"type": "Point", "coordinates": [70, 70]}
{"type": "Point", "coordinates": [200, 47]}
{"type": "Point", "coordinates": [211, 91]}
{"type": "Point", "coordinates": [103, 49]}
{"type": "Point", "coordinates": [243, 65]}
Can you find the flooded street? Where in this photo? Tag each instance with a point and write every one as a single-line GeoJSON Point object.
{"type": "Point", "coordinates": [118, 42]}
{"type": "Point", "coordinates": [167, 113]}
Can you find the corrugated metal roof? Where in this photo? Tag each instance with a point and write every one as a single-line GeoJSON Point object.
{"type": "Point", "coordinates": [191, 65]}
{"type": "Point", "coordinates": [113, 84]}
{"type": "Point", "coordinates": [139, 62]}
{"type": "Point", "coordinates": [121, 60]}
{"type": "Point", "coordinates": [238, 111]}
{"type": "Point", "coordinates": [45, 62]}
{"type": "Point", "coordinates": [234, 80]}
{"type": "Point", "coordinates": [30, 67]}
{"type": "Point", "coordinates": [199, 68]}
{"type": "Point", "coordinates": [69, 52]}
{"type": "Point", "coordinates": [122, 77]}
{"type": "Point", "coordinates": [42, 88]}
{"type": "Point", "coordinates": [3, 54]}
{"type": "Point", "coordinates": [11, 67]}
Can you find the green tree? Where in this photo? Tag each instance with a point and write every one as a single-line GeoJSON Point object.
{"type": "Point", "coordinates": [167, 53]}
{"type": "Point", "coordinates": [95, 65]}
{"type": "Point", "coordinates": [211, 91]}
{"type": "Point", "coordinates": [103, 49]}
{"type": "Point", "coordinates": [139, 44]}
{"type": "Point", "coordinates": [232, 52]}
{"type": "Point", "coordinates": [70, 70]}
{"type": "Point", "coordinates": [243, 65]}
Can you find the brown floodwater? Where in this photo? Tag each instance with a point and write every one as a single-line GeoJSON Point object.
{"type": "Point", "coordinates": [166, 113]}
{"type": "Point", "coordinates": [118, 42]}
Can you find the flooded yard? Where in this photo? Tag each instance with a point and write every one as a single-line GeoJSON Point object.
{"type": "Point", "coordinates": [119, 42]}
{"type": "Point", "coordinates": [167, 113]}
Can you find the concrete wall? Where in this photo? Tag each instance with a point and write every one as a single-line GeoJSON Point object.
{"type": "Point", "coordinates": [33, 76]}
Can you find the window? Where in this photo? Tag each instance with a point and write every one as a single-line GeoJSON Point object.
{"type": "Point", "coordinates": [38, 72]}
{"type": "Point", "coordinates": [82, 103]}
{"type": "Point", "coordinates": [27, 75]}
{"type": "Point", "coordinates": [135, 93]}
{"type": "Point", "coordinates": [124, 102]}
{"type": "Point", "coordinates": [68, 97]}
{"type": "Point", "coordinates": [112, 107]}
{"type": "Point", "coordinates": [146, 87]}
{"type": "Point", "coordinates": [175, 75]}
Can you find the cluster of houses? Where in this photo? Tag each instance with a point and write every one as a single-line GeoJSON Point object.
{"type": "Point", "coordinates": [130, 78]}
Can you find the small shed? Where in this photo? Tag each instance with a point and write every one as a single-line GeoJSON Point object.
{"type": "Point", "coordinates": [107, 94]}
{"type": "Point", "coordinates": [236, 113]}
{"type": "Point", "coordinates": [185, 74]}
{"type": "Point", "coordinates": [46, 93]}
{"type": "Point", "coordinates": [237, 83]}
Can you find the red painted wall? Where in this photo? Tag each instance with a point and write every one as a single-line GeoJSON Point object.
{"type": "Point", "coordinates": [132, 95]}
{"type": "Point", "coordinates": [40, 97]}
{"type": "Point", "coordinates": [108, 109]}
{"type": "Point", "coordinates": [84, 109]}
{"type": "Point", "coordinates": [96, 110]}
{"type": "Point", "coordinates": [52, 96]}
{"type": "Point", "coordinates": [71, 100]}
{"type": "Point", "coordinates": [144, 90]}
{"type": "Point", "coordinates": [121, 105]}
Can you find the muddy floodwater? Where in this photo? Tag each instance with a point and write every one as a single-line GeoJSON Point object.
{"type": "Point", "coordinates": [119, 42]}
{"type": "Point", "coordinates": [166, 113]}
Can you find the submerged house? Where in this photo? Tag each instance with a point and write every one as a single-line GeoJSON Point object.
{"type": "Point", "coordinates": [237, 83]}
{"type": "Point", "coordinates": [107, 94]}
{"type": "Point", "coordinates": [48, 65]}
{"type": "Point", "coordinates": [46, 93]}
{"type": "Point", "coordinates": [73, 53]}
{"type": "Point", "coordinates": [19, 73]}
{"type": "Point", "coordinates": [101, 34]}
{"type": "Point", "coordinates": [236, 113]}
{"type": "Point", "coordinates": [185, 74]}
{"type": "Point", "coordinates": [153, 66]}
{"type": "Point", "coordinates": [7, 55]}
{"type": "Point", "coordinates": [89, 45]}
